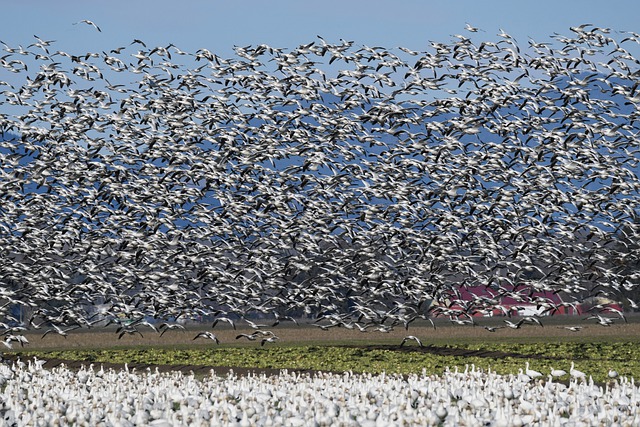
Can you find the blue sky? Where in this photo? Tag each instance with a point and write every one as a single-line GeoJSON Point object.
{"type": "Point", "coordinates": [219, 25]}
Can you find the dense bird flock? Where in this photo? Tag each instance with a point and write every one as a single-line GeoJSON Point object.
{"type": "Point", "coordinates": [353, 185]}
{"type": "Point", "coordinates": [97, 397]}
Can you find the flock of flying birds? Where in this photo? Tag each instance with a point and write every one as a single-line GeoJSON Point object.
{"type": "Point", "coordinates": [350, 185]}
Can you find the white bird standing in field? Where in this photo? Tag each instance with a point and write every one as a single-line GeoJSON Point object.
{"type": "Point", "coordinates": [531, 373]}
{"type": "Point", "coordinates": [576, 374]}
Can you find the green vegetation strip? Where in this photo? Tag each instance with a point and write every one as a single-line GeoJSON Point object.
{"type": "Point", "coordinates": [595, 359]}
{"type": "Point", "coordinates": [572, 351]}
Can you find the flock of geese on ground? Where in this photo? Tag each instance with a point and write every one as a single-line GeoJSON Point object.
{"type": "Point", "coordinates": [94, 396]}
{"type": "Point", "coordinates": [355, 186]}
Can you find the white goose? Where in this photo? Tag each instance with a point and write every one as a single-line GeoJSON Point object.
{"type": "Point", "coordinates": [576, 373]}
{"type": "Point", "coordinates": [531, 373]}
{"type": "Point", "coordinates": [558, 372]}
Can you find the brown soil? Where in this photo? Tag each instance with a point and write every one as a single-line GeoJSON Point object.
{"type": "Point", "coordinates": [434, 340]}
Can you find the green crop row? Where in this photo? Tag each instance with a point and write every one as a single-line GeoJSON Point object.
{"type": "Point", "coordinates": [595, 359]}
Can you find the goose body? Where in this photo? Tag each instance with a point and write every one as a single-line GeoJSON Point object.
{"type": "Point", "coordinates": [531, 373]}
{"type": "Point", "coordinates": [576, 374]}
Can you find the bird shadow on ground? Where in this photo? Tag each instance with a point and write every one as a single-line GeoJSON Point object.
{"type": "Point", "coordinates": [453, 351]}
